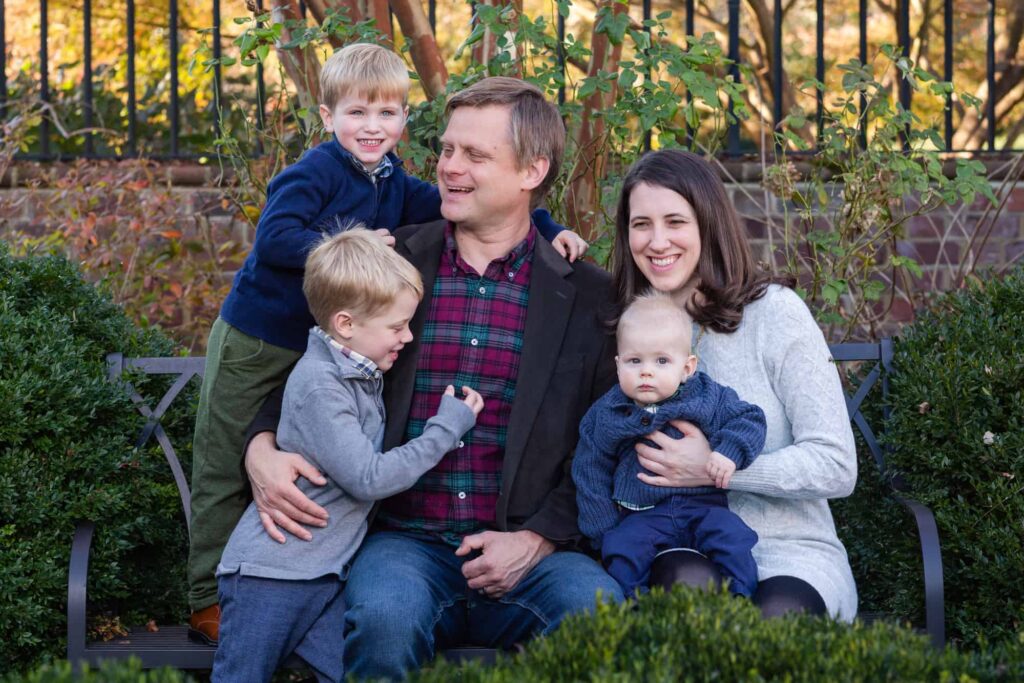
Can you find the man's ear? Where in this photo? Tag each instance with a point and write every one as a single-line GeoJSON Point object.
{"type": "Point", "coordinates": [341, 325]}
{"type": "Point", "coordinates": [535, 173]}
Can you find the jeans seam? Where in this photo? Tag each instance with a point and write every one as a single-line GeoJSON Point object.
{"type": "Point", "coordinates": [537, 612]}
{"type": "Point", "coordinates": [445, 604]}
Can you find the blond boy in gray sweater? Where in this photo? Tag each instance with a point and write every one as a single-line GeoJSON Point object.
{"type": "Point", "coordinates": [277, 599]}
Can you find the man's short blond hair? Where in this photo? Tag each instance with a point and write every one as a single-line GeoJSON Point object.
{"type": "Point", "coordinates": [355, 271]}
{"type": "Point", "coordinates": [365, 70]}
{"type": "Point", "coordinates": [535, 127]}
{"type": "Point", "coordinates": [653, 308]}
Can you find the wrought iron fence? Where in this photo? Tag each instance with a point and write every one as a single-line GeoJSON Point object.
{"type": "Point", "coordinates": [172, 147]}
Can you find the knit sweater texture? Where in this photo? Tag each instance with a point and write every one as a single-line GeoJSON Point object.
{"type": "Point", "coordinates": [333, 415]}
{"type": "Point", "coordinates": [778, 360]}
{"type": "Point", "coordinates": [605, 466]}
{"type": "Point", "coordinates": [323, 193]}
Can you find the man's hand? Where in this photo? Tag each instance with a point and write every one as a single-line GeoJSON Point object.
{"type": "Point", "coordinates": [570, 245]}
{"type": "Point", "coordinates": [505, 558]}
{"type": "Point", "coordinates": [279, 501]}
{"type": "Point", "coordinates": [720, 468]}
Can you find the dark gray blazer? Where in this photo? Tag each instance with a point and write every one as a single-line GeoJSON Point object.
{"type": "Point", "coordinates": [567, 363]}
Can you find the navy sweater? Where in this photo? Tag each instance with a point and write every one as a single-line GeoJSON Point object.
{"type": "Point", "coordinates": [321, 194]}
{"type": "Point", "coordinates": [605, 465]}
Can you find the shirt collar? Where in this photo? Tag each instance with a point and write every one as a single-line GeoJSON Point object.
{"type": "Point", "coordinates": [364, 365]}
{"type": "Point", "coordinates": [384, 169]}
{"type": "Point", "coordinates": [504, 268]}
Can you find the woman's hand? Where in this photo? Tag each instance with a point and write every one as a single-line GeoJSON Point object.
{"type": "Point", "coordinates": [279, 501]}
{"type": "Point", "coordinates": [680, 462]}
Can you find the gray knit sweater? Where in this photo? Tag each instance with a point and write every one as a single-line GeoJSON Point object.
{"type": "Point", "coordinates": [333, 415]}
{"type": "Point", "coordinates": [778, 360]}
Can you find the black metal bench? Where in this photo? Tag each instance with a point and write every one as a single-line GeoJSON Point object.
{"type": "Point", "coordinates": [170, 646]}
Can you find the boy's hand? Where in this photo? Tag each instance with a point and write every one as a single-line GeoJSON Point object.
{"type": "Point", "coordinates": [720, 468]}
{"type": "Point", "coordinates": [388, 238]}
{"type": "Point", "coordinates": [570, 245]}
{"type": "Point", "coordinates": [473, 400]}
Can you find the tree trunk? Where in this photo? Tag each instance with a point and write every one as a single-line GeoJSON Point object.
{"type": "Point", "coordinates": [426, 57]}
{"type": "Point", "coordinates": [584, 195]}
{"type": "Point", "coordinates": [301, 64]}
{"type": "Point", "coordinates": [485, 50]}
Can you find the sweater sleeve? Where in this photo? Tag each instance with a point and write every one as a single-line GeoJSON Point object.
{"type": "Point", "coordinates": [821, 461]}
{"type": "Point", "coordinates": [741, 428]}
{"type": "Point", "coordinates": [330, 432]}
{"type": "Point", "coordinates": [546, 225]}
{"type": "Point", "coordinates": [593, 469]}
{"type": "Point", "coordinates": [295, 198]}
{"type": "Point", "coordinates": [421, 203]}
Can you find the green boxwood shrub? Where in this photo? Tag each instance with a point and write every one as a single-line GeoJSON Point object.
{"type": "Point", "coordinates": [957, 434]}
{"type": "Point", "coordinates": [109, 672]}
{"type": "Point", "coordinates": [694, 636]}
{"type": "Point", "coordinates": [66, 453]}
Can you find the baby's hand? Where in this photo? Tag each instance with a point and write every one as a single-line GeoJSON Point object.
{"type": "Point", "coordinates": [570, 245]}
{"type": "Point", "coordinates": [473, 400]}
{"type": "Point", "coordinates": [388, 238]}
{"type": "Point", "coordinates": [720, 468]}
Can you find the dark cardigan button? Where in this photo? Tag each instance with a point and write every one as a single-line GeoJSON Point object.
{"type": "Point", "coordinates": [645, 421]}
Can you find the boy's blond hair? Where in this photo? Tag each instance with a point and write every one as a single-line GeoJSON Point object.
{"type": "Point", "coordinates": [367, 70]}
{"type": "Point", "coordinates": [355, 271]}
{"type": "Point", "coordinates": [654, 308]}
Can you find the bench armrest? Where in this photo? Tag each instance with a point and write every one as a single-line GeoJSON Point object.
{"type": "Point", "coordinates": [931, 557]}
{"type": "Point", "coordinates": [78, 574]}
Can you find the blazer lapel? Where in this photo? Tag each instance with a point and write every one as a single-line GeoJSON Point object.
{"type": "Point", "coordinates": [423, 250]}
{"type": "Point", "coordinates": [547, 317]}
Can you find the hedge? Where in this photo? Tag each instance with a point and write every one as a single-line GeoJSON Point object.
{"type": "Point", "coordinates": [957, 436]}
{"type": "Point", "coordinates": [689, 635]}
{"type": "Point", "coordinates": [66, 453]}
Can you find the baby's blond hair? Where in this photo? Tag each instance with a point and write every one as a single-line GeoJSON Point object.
{"type": "Point", "coordinates": [355, 271]}
{"type": "Point", "coordinates": [364, 69]}
{"type": "Point", "coordinates": [654, 308]}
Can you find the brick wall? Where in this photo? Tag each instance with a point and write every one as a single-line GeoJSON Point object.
{"type": "Point", "coordinates": [939, 242]}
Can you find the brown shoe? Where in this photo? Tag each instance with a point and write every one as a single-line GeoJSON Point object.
{"type": "Point", "coordinates": [204, 625]}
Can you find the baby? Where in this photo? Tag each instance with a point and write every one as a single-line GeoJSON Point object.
{"type": "Point", "coordinates": [630, 521]}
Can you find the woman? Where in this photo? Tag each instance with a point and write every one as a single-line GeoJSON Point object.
{"type": "Point", "coordinates": [677, 232]}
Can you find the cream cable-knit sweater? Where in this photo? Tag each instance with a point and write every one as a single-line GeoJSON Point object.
{"type": "Point", "coordinates": [778, 360]}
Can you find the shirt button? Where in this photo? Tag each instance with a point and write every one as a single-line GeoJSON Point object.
{"type": "Point", "coordinates": [462, 495]}
{"type": "Point", "coordinates": [462, 444]}
{"type": "Point", "coordinates": [483, 290]}
{"type": "Point", "coordinates": [511, 274]}
{"type": "Point", "coordinates": [473, 342]}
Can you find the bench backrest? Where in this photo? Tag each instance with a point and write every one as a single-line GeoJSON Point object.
{"type": "Point", "coordinates": [875, 361]}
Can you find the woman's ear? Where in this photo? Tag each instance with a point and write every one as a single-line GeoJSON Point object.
{"type": "Point", "coordinates": [341, 325]}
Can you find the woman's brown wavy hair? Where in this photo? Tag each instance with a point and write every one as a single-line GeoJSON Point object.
{"type": "Point", "coordinates": [729, 279]}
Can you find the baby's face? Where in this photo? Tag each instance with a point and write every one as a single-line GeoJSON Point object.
{"type": "Point", "coordinates": [652, 363]}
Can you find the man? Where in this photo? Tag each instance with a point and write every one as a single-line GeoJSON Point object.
{"type": "Point", "coordinates": [469, 553]}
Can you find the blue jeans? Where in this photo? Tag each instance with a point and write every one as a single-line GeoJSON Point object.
{"type": "Point", "coordinates": [701, 521]}
{"type": "Point", "coordinates": [407, 598]}
{"type": "Point", "coordinates": [262, 621]}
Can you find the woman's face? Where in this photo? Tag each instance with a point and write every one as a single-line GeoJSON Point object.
{"type": "Point", "coordinates": [664, 238]}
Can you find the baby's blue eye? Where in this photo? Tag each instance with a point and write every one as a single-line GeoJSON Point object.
{"type": "Point", "coordinates": [663, 361]}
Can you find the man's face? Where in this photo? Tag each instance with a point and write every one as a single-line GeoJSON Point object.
{"type": "Point", "coordinates": [653, 362]}
{"type": "Point", "coordinates": [477, 174]}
